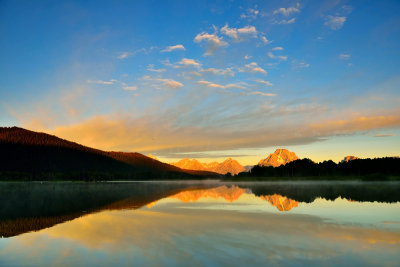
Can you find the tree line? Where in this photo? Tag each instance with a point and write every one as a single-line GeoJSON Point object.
{"type": "Point", "coordinates": [374, 169]}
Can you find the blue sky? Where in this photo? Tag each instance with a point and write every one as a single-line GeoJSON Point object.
{"type": "Point", "coordinates": [206, 79]}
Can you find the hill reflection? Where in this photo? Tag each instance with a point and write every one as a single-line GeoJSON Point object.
{"type": "Point", "coordinates": [29, 207]}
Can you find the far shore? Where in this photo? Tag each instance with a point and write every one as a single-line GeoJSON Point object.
{"type": "Point", "coordinates": [370, 178]}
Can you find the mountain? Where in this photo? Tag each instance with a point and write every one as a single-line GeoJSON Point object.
{"type": "Point", "coordinates": [279, 157]}
{"type": "Point", "coordinates": [32, 155]}
{"type": "Point", "coordinates": [348, 158]}
{"type": "Point", "coordinates": [228, 165]}
{"type": "Point", "coordinates": [190, 164]}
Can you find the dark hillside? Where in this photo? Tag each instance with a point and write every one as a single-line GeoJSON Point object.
{"type": "Point", "coordinates": [31, 155]}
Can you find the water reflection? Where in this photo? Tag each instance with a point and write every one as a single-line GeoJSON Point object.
{"type": "Point", "coordinates": [29, 207]}
{"type": "Point", "coordinates": [211, 224]}
{"type": "Point", "coordinates": [230, 194]}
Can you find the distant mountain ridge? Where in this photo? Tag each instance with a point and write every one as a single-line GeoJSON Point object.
{"type": "Point", "coordinates": [278, 158]}
{"type": "Point", "coordinates": [42, 154]}
{"type": "Point", "coordinates": [229, 165]}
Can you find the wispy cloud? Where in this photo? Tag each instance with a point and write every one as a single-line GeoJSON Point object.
{"type": "Point", "coordinates": [267, 83]}
{"type": "Point", "coordinates": [168, 83]}
{"type": "Point", "coordinates": [150, 67]}
{"type": "Point", "coordinates": [265, 40]}
{"type": "Point", "coordinates": [253, 68]}
{"type": "Point", "coordinates": [214, 85]}
{"type": "Point", "coordinates": [101, 82]}
{"type": "Point", "coordinates": [344, 56]}
{"type": "Point", "coordinates": [127, 54]}
{"type": "Point", "coordinates": [285, 21]}
{"type": "Point", "coordinates": [300, 64]}
{"type": "Point", "coordinates": [223, 72]}
{"type": "Point", "coordinates": [287, 11]}
{"type": "Point", "coordinates": [171, 83]}
{"type": "Point", "coordinates": [261, 93]}
{"type": "Point", "coordinates": [239, 34]}
{"type": "Point", "coordinates": [187, 62]}
{"type": "Point", "coordinates": [251, 13]}
{"type": "Point", "coordinates": [271, 55]}
{"type": "Point", "coordinates": [130, 88]}
{"type": "Point", "coordinates": [247, 57]}
{"type": "Point", "coordinates": [281, 14]}
{"type": "Point", "coordinates": [334, 22]}
{"type": "Point", "coordinates": [212, 41]}
{"type": "Point", "coordinates": [384, 135]}
{"type": "Point", "coordinates": [278, 48]}
{"type": "Point", "coordinates": [173, 48]}
{"type": "Point", "coordinates": [138, 134]}
{"type": "Point", "coordinates": [124, 55]}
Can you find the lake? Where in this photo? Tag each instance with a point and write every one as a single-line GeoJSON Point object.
{"type": "Point", "coordinates": [200, 223]}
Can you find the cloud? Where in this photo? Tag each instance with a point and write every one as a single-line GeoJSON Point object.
{"type": "Point", "coordinates": [223, 72]}
{"type": "Point", "coordinates": [278, 48]}
{"type": "Point", "coordinates": [344, 56]}
{"type": "Point", "coordinates": [253, 68]}
{"type": "Point", "coordinates": [361, 123]}
{"type": "Point", "coordinates": [101, 82]}
{"type": "Point", "coordinates": [124, 55]}
{"type": "Point", "coordinates": [267, 83]}
{"type": "Point", "coordinates": [213, 42]}
{"type": "Point", "coordinates": [261, 93]}
{"type": "Point", "coordinates": [334, 22]}
{"type": "Point", "coordinates": [384, 135]}
{"type": "Point", "coordinates": [265, 40]}
{"type": "Point", "coordinates": [187, 62]}
{"type": "Point", "coordinates": [247, 57]}
{"type": "Point", "coordinates": [251, 13]}
{"type": "Point", "coordinates": [169, 83]}
{"type": "Point", "coordinates": [173, 48]}
{"type": "Point", "coordinates": [214, 85]}
{"type": "Point", "coordinates": [300, 64]}
{"type": "Point", "coordinates": [271, 55]}
{"type": "Point", "coordinates": [150, 67]}
{"type": "Point", "coordinates": [130, 88]}
{"type": "Point", "coordinates": [239, 34]}
{"type": "Point", "coordinates": [287, 11]}
{"type": "Point", "coordinates": [163, 134]}
{"type": "Point", "coordinates": [285, 21]}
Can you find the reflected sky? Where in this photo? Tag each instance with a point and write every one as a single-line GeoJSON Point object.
{"type": "Point", "coordinates": [220, 226]}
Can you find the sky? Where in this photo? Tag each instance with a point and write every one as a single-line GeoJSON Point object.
{"type": "Point", "coordinates": [206, 79]}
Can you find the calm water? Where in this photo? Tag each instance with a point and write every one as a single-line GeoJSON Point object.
{"type": "Point", "coordinates": [200, 224]}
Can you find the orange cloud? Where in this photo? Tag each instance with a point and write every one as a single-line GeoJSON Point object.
{"type": "Point", "coordinates": [164, 137]}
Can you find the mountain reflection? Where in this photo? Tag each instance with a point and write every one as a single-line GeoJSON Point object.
{"type": "Point", "coordinates": [231, 194]}
{"type": "Point", "coordinates": [281, 202]}
{"type": "Point", "coordinates": [29, 207]}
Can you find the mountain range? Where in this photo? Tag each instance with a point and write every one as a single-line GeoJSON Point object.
{"type": "Point", "coordinates": [228, 165]}
{"type": "Point", "coordinates": [279, 157]}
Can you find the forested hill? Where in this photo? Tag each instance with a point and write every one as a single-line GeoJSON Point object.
{"type": "Point", "coordinates": [31, 155]}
